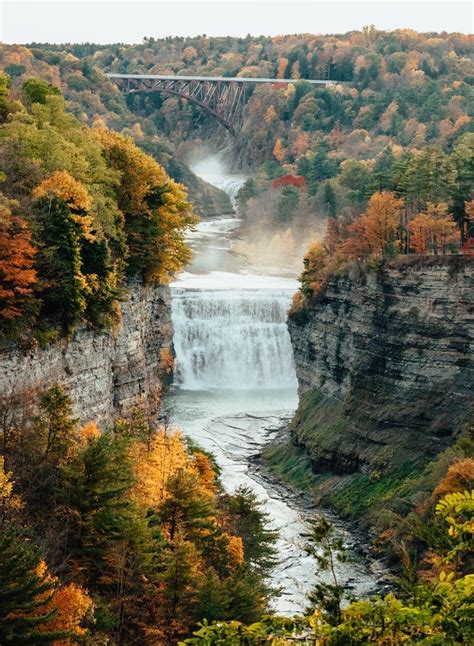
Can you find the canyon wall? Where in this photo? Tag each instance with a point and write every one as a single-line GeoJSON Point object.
{"type": "Point", "coordinates": [384, 361]}
{"type": "Point", "coordinates": [106, 373]}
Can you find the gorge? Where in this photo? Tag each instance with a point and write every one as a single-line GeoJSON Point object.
{"type": "Point", "coordinates": [235, 383]}
{"type": "Point", "coordinates": [255, 426]}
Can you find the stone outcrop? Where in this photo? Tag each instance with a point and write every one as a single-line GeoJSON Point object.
{"type": "Point", "coordinates": [106, 373]}
{"type": "Point", "coordinates": [384, 361]}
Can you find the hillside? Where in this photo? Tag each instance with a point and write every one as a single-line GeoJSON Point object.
{"type": "Point", "coordinates": [96, 102]}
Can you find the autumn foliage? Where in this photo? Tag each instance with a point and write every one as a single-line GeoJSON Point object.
{"type": "Point", "coordinates": [17, 272]}
{"type": "Point", "coordinates": [134, 521]}
{"type": "Point", "coordinates": [83, 209]}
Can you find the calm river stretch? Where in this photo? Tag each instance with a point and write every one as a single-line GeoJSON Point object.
{"type": "Point", "coordinates": [235, 380]}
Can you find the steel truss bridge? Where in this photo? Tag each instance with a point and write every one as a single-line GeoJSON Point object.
{"type": "Point", "coordinates": [223, 97]}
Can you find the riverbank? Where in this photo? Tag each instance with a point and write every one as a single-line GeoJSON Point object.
{"type": "Point", "coordinates": [357, 540]}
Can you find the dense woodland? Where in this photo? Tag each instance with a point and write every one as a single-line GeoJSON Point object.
{"type": "Point", "coordinates": [81, 210]}
{"type": "Point", "coordinates": [125, 536]}
{"type": "Point", "coordinates": [119, 537]}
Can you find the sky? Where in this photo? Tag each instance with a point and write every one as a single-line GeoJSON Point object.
{"type": "Point", "coordinates": [107, 21]}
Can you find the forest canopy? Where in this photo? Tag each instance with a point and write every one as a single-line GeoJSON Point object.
{"type": "Point", "coordinates": [82, 210]}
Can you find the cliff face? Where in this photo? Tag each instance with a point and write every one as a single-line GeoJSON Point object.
{"type": "Point", "coordinates": [385, 365]}
{"type": "Point", "coordinates": [106, 374]}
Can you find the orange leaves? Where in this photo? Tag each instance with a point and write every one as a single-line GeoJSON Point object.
{"type": "Point", "coordinates": [381, 220]}
{"type": "Point", "coordinates": [282, 63]}
{"type": "Point", "coordinates": [166, 361]}
{"type": "Point", "coordinates": [433, 229]}
{"type": "Point", "coordinates": [17, 274]}
{"type": "Point", "coordinates": [71, 604]}
{"type": "Point", "coordinates": [459, 477]}
{"type": "Point", "coordinates": [278, 150]}
{"type": "Point", "coordinates": [205, 471]}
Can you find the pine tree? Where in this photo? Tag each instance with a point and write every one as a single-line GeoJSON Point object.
{"type": "Point", "coordinates": [25, 592]}
{"type": "Point", "coordinates": [187, 508]}
{"type": "Point", "coordinates": [249, 521]}
{"type": "Point", "coordinates": [58, 262]}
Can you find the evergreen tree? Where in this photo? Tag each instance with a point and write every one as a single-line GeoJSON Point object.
{"type": "Point", "coordinates": [287, 203]}
{"type": "Point", "coordinates": [186, 507]}
{"type": "Point", "coordinates": [25, 591]}
{"type": "Point", "coordinates": [55, 426]}
{"type": "Point", "coordinates": [249, 521]}
{"type": "Point", "coordinates": [382, 171]}
{"type": "Point", "coordinates": [58, 262]}
{"type": "Point", "coordinates": [461, 190]}
{"type": "Point", "coordinates": [95, 489]}
{"type": "Point", "coordinates": [329, 200]}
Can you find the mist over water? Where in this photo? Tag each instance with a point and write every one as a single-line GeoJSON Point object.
{"type": "Point", "coordinates": [215, 171]}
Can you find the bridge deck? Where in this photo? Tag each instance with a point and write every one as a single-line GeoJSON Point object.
{"type": "Point", "coordinates": [158, 77]}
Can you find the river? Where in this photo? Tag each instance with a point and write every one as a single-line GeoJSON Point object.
{"type": "Point", "coordinates": [235, 382]}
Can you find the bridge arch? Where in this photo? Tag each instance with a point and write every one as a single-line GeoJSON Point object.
{"type": "Point", "coordinates": [224, 98]}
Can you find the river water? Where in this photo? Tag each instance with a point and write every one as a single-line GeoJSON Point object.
{"type": "Point", "coordinates": [235, 381]}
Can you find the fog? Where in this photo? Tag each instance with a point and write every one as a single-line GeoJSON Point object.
{"type": "Point", "coordinates": [266, 243]}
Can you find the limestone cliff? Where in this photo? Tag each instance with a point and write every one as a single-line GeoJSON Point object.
{"type": "Point", "coordinates": [384, 361]}
{"type": "Point", "coordinates": [106, 373]}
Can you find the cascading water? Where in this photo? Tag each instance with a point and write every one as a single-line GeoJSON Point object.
{"type": "Point", "coordinates": [234, 339]}
{"type": "Point", "coordinates": [229, 330]}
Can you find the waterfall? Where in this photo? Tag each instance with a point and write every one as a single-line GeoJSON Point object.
{"type": "Point", "coordinates": [233, 339]}
{"type": "Point", "coordinates": [229, 326]}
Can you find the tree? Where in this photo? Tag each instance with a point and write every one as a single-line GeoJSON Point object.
{"type": "Point", "coordinates": [248, 520]}
{"type": "Point", "coordinates": [329, 200]}
{"type": "Point", "coordinates": [55, 426]}
{"type": "Point", "coordinates": [381, 221]}
{"type": "Point", "coordinates": [462, 187]}
{"type": "Point", "coordinates": [25, 592]}
{"type": "Point", "coordinates": [58, 262]}
{"type": "Point", "coordinates": [187, 509]}
{"type": "Point", "coordinates": [17, 274]}
{"type": "Point", "coordinates": [180, 587]}
{"type": "Point", "coordinates": [315, 266]}
{"type": "Point", "coordinates": [433, 230]}
{"type": "Point", "coordinates": [287, 204]}
{"type": "Point", "coordinates": [155, 208]}
{"type": "Point", "coordinates": [36, 90]}
{"type": "Point", "coordinates": [327, 549]}
{"type": "Point", "coordinates": [5, 104]}
{"type": "Point", "coordinates": [278, 150]}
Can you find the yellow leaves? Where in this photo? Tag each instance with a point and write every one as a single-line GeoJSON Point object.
{"type": "Point", "coordinates": [61, 184]}
{"type": "Point", "coordinates": [153, 467]}
{"type": "Point", "coordinates": [270, 115]}
{"type": "Point", "coordinates": [235, 548]}
{"type": "Point", "coordinates": [278, 150]}
{"type": "Point", "coordinates": [89, 432]}
{"type": "Point", "coordinates": [72, 604]}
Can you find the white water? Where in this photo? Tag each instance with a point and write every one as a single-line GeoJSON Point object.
{"type": "Point", "coordinates": [235, 379]}
{"type": "Point", "coordinates": [232, 339]}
